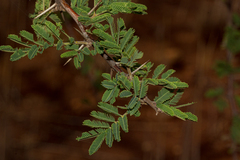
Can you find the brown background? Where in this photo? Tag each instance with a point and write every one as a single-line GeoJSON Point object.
{"type": "Point", "coordinates": [43, 103]}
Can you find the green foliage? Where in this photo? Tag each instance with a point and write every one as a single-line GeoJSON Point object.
{"type": "Point", "coordinates": [225, 96]}
{"type": "Point", "coordinates": [117, 41]}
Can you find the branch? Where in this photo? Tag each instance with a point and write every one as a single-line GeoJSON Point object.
{"type": "Point", "coordinates": [109, 60]}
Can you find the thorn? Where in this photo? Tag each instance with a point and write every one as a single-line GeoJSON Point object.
{"type": "Point", "coordinates": [67, 61]}
{"type": "Point", "coordinates": [51, 7]}
{"type": "Point", "coordinates": [139, 67]}
{"type": "Point", "coordinates": [62, 16]}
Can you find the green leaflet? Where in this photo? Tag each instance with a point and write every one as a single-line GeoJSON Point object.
{"type": "Point", "coordinates": [86, 51]}
{"type": "Point", "coordinates": [32, 51]}
{"type": "Point", "coordinates": [120, 27]}
{"type": "Point", "coordinates": [176, 98]}
{"type": "Point", "coordinates": [69, 54]}
{"type": "Point", "coordinates": [191, 116]}
{"type": "Point", "coordinates": [108, 94]}
{"type": "Point", "coordinates": [102, 9]}
{"type": "Point", "coordinates": [135, 109]}
{"type": "Point", "coordinates": [143, 88]}
{"type": "Point", "coordinates": [116, 131]}
{"type": "Point", "coordinates": [17, 39]}
{"type": "Point", "coordinates": [127, 7]}
{"type": "Point", "coordinates": [103, 35]}
{"type": "Point", "coordinates": [136, 85]}
{"type": "Point", "coordinates": [110, 21]}
{"type": "Point", "coordinates": [126, 38]}
{"type": "Point", "coordinates": [132, 102]}
{"type": "Point", "coordinates": [127, 84]}
{"type": "Point", "coordinates": [102, 116]}
{"type": "Point", "coordinates": [80, 57]}
{"type": "Point", "coordinates": [43, 33]}
{"type": "Point", "coordinates": [166, 109]}
{"type": "Point", "coordinates": [53, 29]}
{"type": "Point", "coordinates": [129, 46]}
{"type": "Point", "coordinates": [115, 94]}
{"type": "Point", "coordinates": [123, 122]}
{"type": "Point", "coordinates": [55, 18]}
{"type": "Point", "coordinates": [95, 124]}
{"type": "Point", "coordinates": [96, 144]}
{"type": "Point", "coordinates": [76, 62]}
{"type": "Point", "coordinates": [87, 135]}
{"type": "Point", "coordinates": [119, 7]}
{"type": "Point", "coordinates": [108, 44]}
{"type": "Point", "coordinates": [108, 108]}
{"type": "Point", "coordinates": [27, 35]}
{"type": "Point", "coordinates": [167, 74]}
{"type": "Point", "coordinates": [99, 18]}
{"type": "Point", "coordinates": [125, 94]}
{"type": "Point", "coordinates": [17, 55]}
{"type": "Point", "coordinates": [158, 71]}
{"type": "Point", "coordinates": [107, 76]}
{"type": "Point", "coordinates": [178, 113]}
{"type": "Point", "coordinates": [59, 45]}
{"type": "Point", "coordinates": [109, 137]}
{"type": "Point", "coordinates": [114, 51]}
{"type": "Point", "coordinates": [7, 48]}
{"type": "Point", "coordinates": [108, 84]}
{"type": "Point", "coordinates": [163, 95]}
{"type": "Point", "coordinates": [84, 18]}
{"type": "Point", "coordinates": [173, 84]}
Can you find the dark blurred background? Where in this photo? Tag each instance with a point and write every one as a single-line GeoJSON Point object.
{"type": "Point", "coordinates": [43, 103]}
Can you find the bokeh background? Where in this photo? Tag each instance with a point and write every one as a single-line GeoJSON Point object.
{"type": "Point", "coordinates": [43, 103]}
